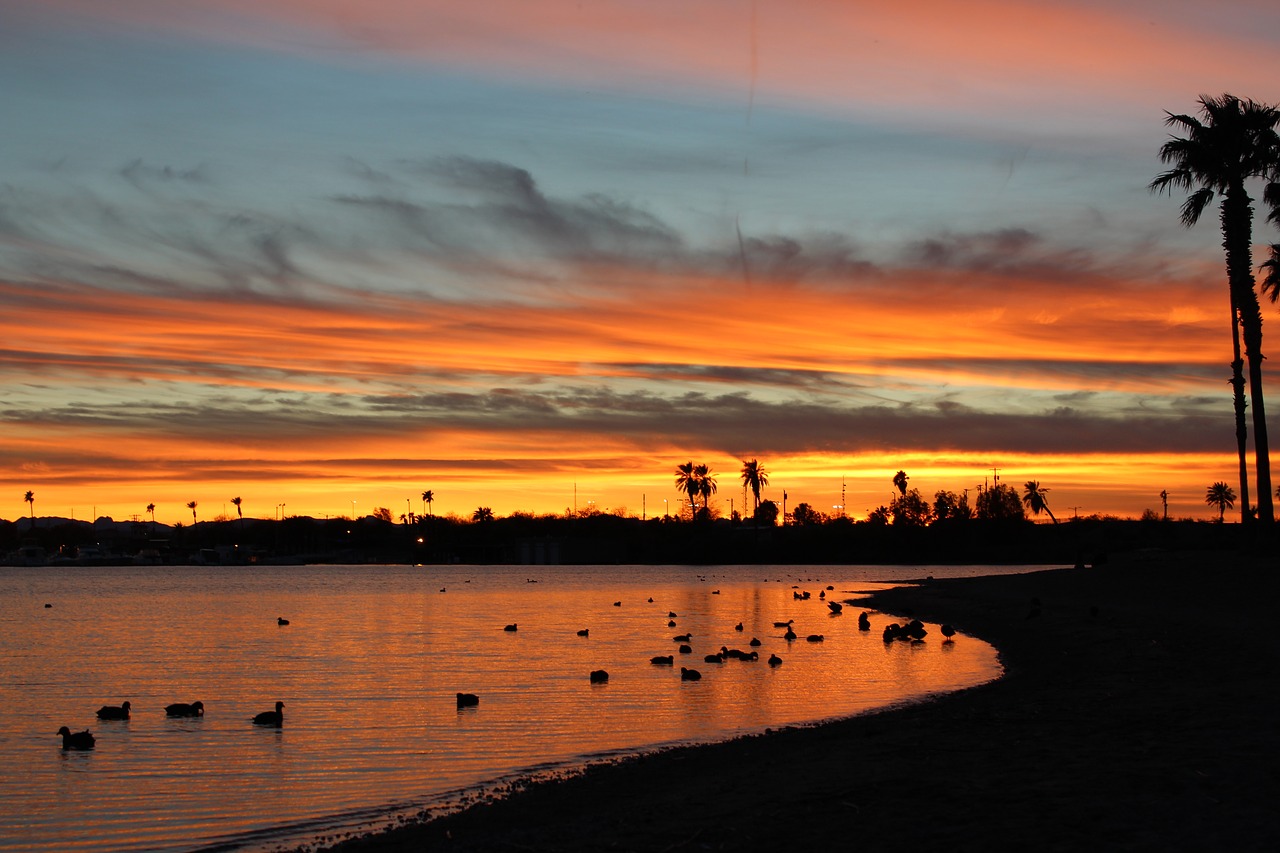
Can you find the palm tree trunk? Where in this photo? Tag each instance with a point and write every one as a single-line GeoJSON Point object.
{"type": "Point", "coordinates": [1237, 217]}
{"type": "Point", "coordinates": [1242, 429]}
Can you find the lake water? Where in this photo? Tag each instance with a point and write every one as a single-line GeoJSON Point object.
{"type": "Point", "coordinates": [368, 669]}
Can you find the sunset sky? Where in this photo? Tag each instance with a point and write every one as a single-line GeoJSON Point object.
{"type": "Point", "coordinates": [312, 252]}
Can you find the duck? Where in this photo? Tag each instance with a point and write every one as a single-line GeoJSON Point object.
{"type": "Point", "coordinates": [271, 718]}
{"type": "Point", "coordinates": [755, 641]}
{"type": "Point", "coordinates": [599, 676]}
{"type": "Point", "coordinates": [786, 624]}
{"type": "Point", "coordinates": [617, 604]}
{"type": "Point", "coordinates": [663, 660]}
{"type": "Point", "coordinates": [511, 627]}
{"type": "Point", "coordinates": [181, 709]}
{"type": "Point", "coordinates": [864, 622]}
{"type": "Point", "coordinates": [682, 638]}
{"type": "Point", "coordinates": [814, 638]}
{"type": "Point", "coordinates": [671, 623]}
{"type": "Point", "coordinates": [685, 649]}
{"type": "Point", "coordinates": [78, 740]}
{"type": "Point", "coordinates": [948, 631]}
{"type": "Point", "coordinates": [690, 674]}
{"type": "Point", "coordinates": [774, 660]}
{"type": "Point", "coordinates": [671, 614]}
{"type": "Point", "coordinates": [716, 658]}
{"type": "Point", "coordinates": [468, 700]}
{"type": "Point", "coordinates": [280, 620]}
{"type": "Point", "coordinates": [585, 632]}
{"type": "Point", "coordinates": [738, 627]}
{"type": "Point", "coordinates": [114, 712]}
{"type": "Point", "coordinates": [790, 635]}
{"type": "Point", "coordinates": [836, 607]}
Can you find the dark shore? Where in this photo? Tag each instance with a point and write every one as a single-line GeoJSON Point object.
{"type": "Point", "coordinates": [1138, 712]}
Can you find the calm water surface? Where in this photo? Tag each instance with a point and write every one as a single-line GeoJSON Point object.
{"type": "Point", "coordinates": [368, 669]}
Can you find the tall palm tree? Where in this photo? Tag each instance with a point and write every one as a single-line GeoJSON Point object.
{"type": "Point", "coordinates": [191, 505]}
{"type": "Point", "coordinates": [706, 484]}
{"type": "Point", "coordinates": [236, 503]}
{"type": "Point", "coordinates": [30, 498]}
{"type": "Point", "coordinates": [687, 482]}
{"type": "Point", "coordinates": [1221, 496]}
{"type": "Point", "coordinates": [755, 478]}
{"type": "Point", "coordinates": [427, 497]}
{"type": "Point", "coordinates": [1232, 142]}
{"type": "Point", "coordinates": [151, 508]}
{"type": "Point", "coordinates": [900, 482]}
{"type": "Point", "coordinates": [1034, 498]}
{"type": "Point", "coordinates": [482, 513]}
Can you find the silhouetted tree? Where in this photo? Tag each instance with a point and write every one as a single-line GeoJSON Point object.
{"type": "Point", "coordinates": [687, 481]}
{"type": "Point", "coordinates": [1222, 496]}
{"type": "Point", "coordinates": [427, 497]}
{"type": "Point", "coordinates": [910, 509]}
{"type": "Point", "coordinates": [1034, 498]}
{"type": "Point", "coordinates": [236, 502]}
{"type": "Point", "coordinates": [1000, 503]}
{"type": "Point", "coordinates": [1231, 142]}
{"type": "Point", "coordinates": [482, 513]}
{"type": "Point", "coordinates": [151, 508]}
{"type": "Point", "coordinates": [754, 478]}
{"type": "Point", "coordinates": [30, 498]}
{"type": "Point", "coordinates": [382, 513]}
{"type": "Point", "coordinates": [950, 506]}
{"type": "Point", "coordinates": [878, 517]}
{"type": "Point", "coordinates": [706, 485]}
{"type": "Point", "coordinates": [1164, 502]}
{"type": "Point", "coordinates": [805, 516]}
{"type": "Point", "coordinates": [900, 482]}
{"type": "Point", "coordinates": [766, 514]}
{"type": "Point", "coordinates": [191, 505]}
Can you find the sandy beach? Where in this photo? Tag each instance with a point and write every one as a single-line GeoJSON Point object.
{"type": "Point", "coordinates": [1137, 712]}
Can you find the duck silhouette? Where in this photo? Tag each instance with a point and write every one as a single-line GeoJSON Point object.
{"type": "Point", "coordinates": [468, 700]}
{"type": "Point", "coordinates": [271, 718]}
{"type": "Point", "coordinates": [948, 631]}
{"type": "Point", "coordinates": [78, 740]}
{"type": "Point", "coordinates": [280, 620]}
{"type": "Point", "coordinates": [774, 660]}
{"type": "Point", "coordinates": [790, 635]}
{"type": "Point", "coordinates": [114, 712]}
{"type": "Point", "coordinates": [864, 622]}
{"type": "Point", "coordinates": [690, 674]}
{"type": "Point", "coordinates": [599, 676]}
{"type": "Point", "coordinates": [511, 627]}
{"type": "Point", "coordinates": [682, 638]}
{"type": "Point", "coordinates": [181, 709]}
{"type": "Point", "coordinates": [663, 660]}
{"type": "Point", "coordinates": [585, 632]}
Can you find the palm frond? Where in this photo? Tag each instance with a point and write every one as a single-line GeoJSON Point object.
{"type": "Point", "coordinates": [1194, 206]}
{"type": "Point", "coordinates": [1271, 279]}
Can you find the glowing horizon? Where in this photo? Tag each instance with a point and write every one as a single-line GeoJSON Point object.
{"type": "Point", "coordinates": [308, 255]}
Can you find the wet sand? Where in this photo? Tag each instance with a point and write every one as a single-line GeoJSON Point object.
{"type": "Point", "coordinates": [1138, 712]}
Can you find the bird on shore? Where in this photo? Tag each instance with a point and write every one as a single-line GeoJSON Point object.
{"type": "Point", "coordinates": [271, 718]}
{"type": "Point", "coordinates": [78, 740]}
{"type": "Point", "coordinates": [181, 709]}
{"type": "Point", "coordinates": [948, 632]}
{"type": "Point", "coordinates": [114, 712]}
{"type": "Point", "coordinates": [468, 700]}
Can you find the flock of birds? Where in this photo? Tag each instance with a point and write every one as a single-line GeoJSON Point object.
{"type": "Point", "coordinates": [86, 740]}
{"type": "Point", "coordinates": [913, 632]}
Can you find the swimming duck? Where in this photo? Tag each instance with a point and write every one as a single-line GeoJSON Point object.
{"type": "Point", "coordinates": [814, 638]}
{"type": "Point", "coordinates": [790, 635]}
{"type": "Point", "coordinates": [584, 633]}
{"type": "Point", "coordinates": [689, 674]}
{"type": "Point", "coordinates": [864, 622]}
{"type": "Point", "coordinates": [271, 718]}
{"type": "Point", "coordinates": [78, 740]}
{"type": "Point", "coordinates": [181, 709]}
{"type": "Point", "coordinates": [599, 676]}
{"type": "Point", "coordinates": [114, 712]}
{"type": "Point", "coordinates": [786, 624]}
{"type": "Point", "coordinates": [468, 700]}
{"type": "Point", "coordinates": [738, 627]}
{"type": "Point", "coordinates": [835, 606]}
{"type": "Point", "coordinates": [511, 627]}
{"type": "Point", "coordinates": [774, 660]}
{"type": "Point", "coordinates": [685, 649]}
{"type": "Point", "coordinates": [663, 660]}
{"type": "Point", "coordinates": [755, 641]}
{"type": "Point", "coordinates": [280, 620]}
{"type": "Point", "coordinates": [682, 638]}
